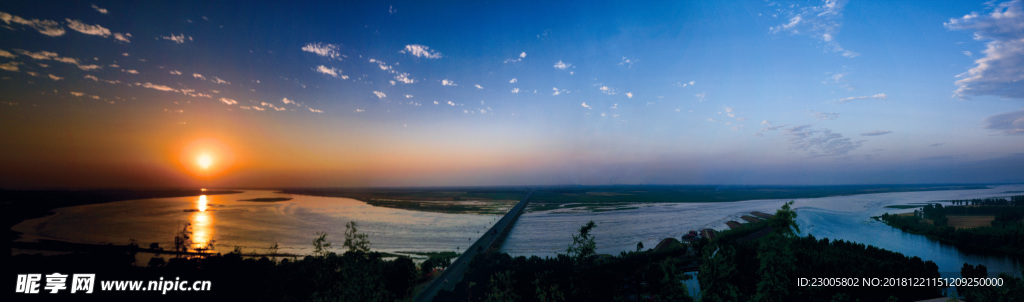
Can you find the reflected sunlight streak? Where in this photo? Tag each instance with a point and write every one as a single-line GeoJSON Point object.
{"type": "Point", "coordinates": [202, 226]}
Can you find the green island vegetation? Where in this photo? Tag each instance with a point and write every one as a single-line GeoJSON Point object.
{"type": "Point", "coordinates": [904, 206]}
{"type": "Point", "coordinates": [986, 225]}
{"type": "Point", "coordinates": [267, 199]}
{"type": "Point", "coordinates": [472, 200]}
{"type": "Point", "coordinates": [759, 261]}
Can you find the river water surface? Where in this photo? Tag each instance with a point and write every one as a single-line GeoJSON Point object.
{"type": "Point", "coordinates": [227, 222]}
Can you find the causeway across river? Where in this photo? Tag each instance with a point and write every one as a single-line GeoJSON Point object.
{"type": "Point", "coordinates": [492, 239]}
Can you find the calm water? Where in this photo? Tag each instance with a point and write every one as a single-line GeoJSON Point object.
{"type": "Point", "coordinates": [254, 226]}
{"type": "Point", "coordinates": [841, 217]}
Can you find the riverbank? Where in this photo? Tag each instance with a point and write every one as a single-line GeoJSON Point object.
{"type": "Point", "coordinates": [986, 225]}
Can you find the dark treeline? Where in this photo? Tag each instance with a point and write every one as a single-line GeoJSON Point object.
{"type": "Point", "coordinates": [762, 262]}
{"type": "Point", "coordinates": [356, 275]}
{"type": "Point", "coordinates": [1012, 289]}
{"type": "Point", "coordinates": [1016, 200]}
{"type": "Point", "coordinates": [1006, 234]}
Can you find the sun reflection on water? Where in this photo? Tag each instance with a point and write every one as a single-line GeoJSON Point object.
{"type": "Point", "coordinates": [202, 226]}
{"type": "Point", "coordinates": [202, 203]}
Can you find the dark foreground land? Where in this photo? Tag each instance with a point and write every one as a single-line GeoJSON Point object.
{"type": "Point", "coordinates": [760, 261]}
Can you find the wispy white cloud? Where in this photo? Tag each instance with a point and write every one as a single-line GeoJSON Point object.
{"type": "Point", "coordinates": [314, 110]}
{"type": "Point", "coordinates": [879, 96]}
{"type": "Point", "coordinates": [175, 72]}
{"type": "Point", "coordinates": [199, 76]}
{"type": "Point", "coordinates": [130, 71]}
{"type": "Point", "coordinates": [10, 66]}
{"type": "Point", "coordinates": [556, 91]}
{"type": "Point", "coordinates": [584, 104]}
{"type": "Point", "coordinates": [627, 62]}
{"type": "Point", "coordinates": [404, 78]}
{"type": "Point", "coordinates": [876, 133]}
{"type": "Point", "coordinates": [606, 90]}
{"type": "Point", "coordinates": [629, 95]}
{"type": "Point", "coordinates": [520, 58]}
{"type": "Point", "coordinates": [513, 81]}
{"type": "Point", "coordinates": [100, 10]}
{"type": "Point", "coordinates": [824, 116]}
{"type": "Point", "coordinates": [478, 86]}
{"type": "Point", "coordinates": [179, 38]}
{"type": "Point", "coordinates": [123, 37]}
{"type": "Point", "coordinates": [381, 64]}
{"type": "Point", "coordinates": [420, 51]}
{"type": "Point", "coordinates": [685, 84]}
{"type": "Point", "coordinates": [820, 143]}
{"type": "Point", "coordinates": [447, 82]}
{"type": "Point", "coordinates": [1001, 71]}
{"type": "Point", "coordinates": [323, 49]}
{"type": "Point", "coordinates": [94, 30]}
{"type": "Point", "coordinates": [49, 55]}
{"type": "Point", "coordinates": [76, 93]}
{"type": "Point", "coordinates": [515, 90]}
{"type": "Point", "coordinates": [219, 81]}
{"type": "Point", "coordinates": [272, 106]}
{"type": "Point", "coordinates": [331, 71]}
{"type": "Point", "coordinates": [821, 22]}
{"type": "Point", "coordinates": [54, 77]}
{"type": "Point", "coordinates": [1011, 123]}
{"type": "Point", "coordinates": [286, 101]}
{"type": "Point", "coordinates": [94, 78]}
{"type": "Point", "coordinates": [46, 27]}
{"type": "Point", "coordinates": [157, 87]}
{"type": "Point", "coordinates": [228, 101]}
{"type": "Point", "coordinates": [700, 96]}
{"type": "Point", "coordinates": [564, 66]}
{"type": "Point", "coordinates": [380, 95]}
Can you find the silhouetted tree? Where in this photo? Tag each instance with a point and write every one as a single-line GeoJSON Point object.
{"type": "Point", "coordinates": [354, 241]}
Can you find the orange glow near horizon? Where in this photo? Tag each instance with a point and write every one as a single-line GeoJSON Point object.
{"type": "Point", "coordinates": [205, 158]}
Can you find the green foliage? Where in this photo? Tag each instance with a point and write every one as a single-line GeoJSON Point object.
{"type": "Point", "coordinates": [784, 221]}
{"type": "Point", "coordinates": [717, 268]}
{"type": "Point", "coordinates": [546, 289]}
{"type": "Point", "coordinates": [354, 241]}
{"type": "Point", "coordinates": [502, 288]}
{"type": "Point", "coordinates": [1006, 234]}
{"type": "Point", "coordinates": [321, 247]}
{"type": "Point", "coordinates": [777, 263]}
{"type": "Point", "coordinates": [439, 260]}
{"type": "Point", "coordinates": [583, 248]}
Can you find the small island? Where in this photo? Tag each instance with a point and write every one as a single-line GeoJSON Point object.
{"type": "Point", "coordinates": [268, 199]}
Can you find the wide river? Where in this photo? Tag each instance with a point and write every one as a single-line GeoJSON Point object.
{"type": "Point", "coordinates": [254, 226]}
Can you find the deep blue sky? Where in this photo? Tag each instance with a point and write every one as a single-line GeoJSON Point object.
{"type": "Point", "coordinates": [507, 93]}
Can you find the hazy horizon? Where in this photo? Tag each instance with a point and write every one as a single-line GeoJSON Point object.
{"type": "Point", "coordinates": [406, 94]}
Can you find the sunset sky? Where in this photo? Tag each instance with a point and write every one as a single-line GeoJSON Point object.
{"type": "Point", "coordinates": [372, 93]}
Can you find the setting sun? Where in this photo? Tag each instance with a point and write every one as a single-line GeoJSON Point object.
{"type": "Point", "coordinates": [205, 158]}
{"type": "Point", "coordinates": [205, 161]}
